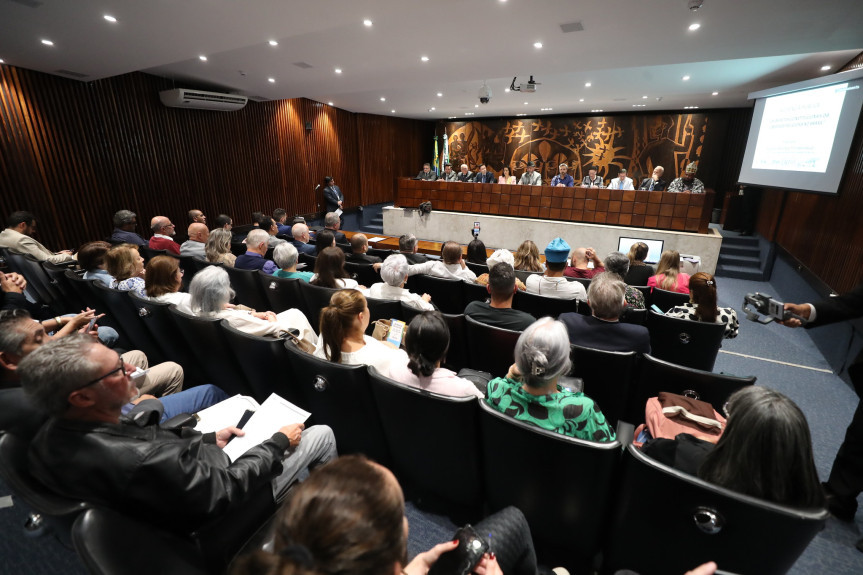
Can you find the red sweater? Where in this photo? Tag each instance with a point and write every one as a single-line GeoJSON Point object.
{"type": "Point", "coordinates": [164, 244]}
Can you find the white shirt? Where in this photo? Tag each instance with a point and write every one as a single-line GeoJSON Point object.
{"type": "Point", "coordinates": [441, 270]}
{"type": "Point", "coordinates": [558, 287]}
{"type": "Point", "coordinates": [373, 353]}
{"type": "Point", "coordinates": [386, 291]}
{"type": "Point", "coordinates": [182, 300]}
{"type": "Point", "coordinates": [288, 319]}
{"type": "Point", "coordinates": [342, 283]}
{"type": "Point", "coordinates": [615, 184]}
{"type": "Point", "coordinates": [442, 381]}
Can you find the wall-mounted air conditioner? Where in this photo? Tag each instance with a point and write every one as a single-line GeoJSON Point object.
{"type": "Point", "coordinates": [200, 100]}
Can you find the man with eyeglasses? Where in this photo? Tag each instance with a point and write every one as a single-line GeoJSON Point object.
{"type": "Point", "coordinates": [163, 232]}
{"type": "Point", "coordinates": [178, 479]}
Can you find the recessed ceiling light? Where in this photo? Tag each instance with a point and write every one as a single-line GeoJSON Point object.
{"type": "Point", "coordinates": [694, 26]}
{"type": "Point", "coordinates": [450, 117]}
{"type": "Point", "coordinates": [685, 78]}
{"type": "Point", "coordinates": [537, 44]}
{"type": "Point", "coordinates": [392, 111]}
{"type": "Point", "coordinates": [1, 61]}
{"type": "Point", "coordinates": [506, 90]}
{"type": "Point", "coordinates": [581, 99]}
{"type": "Point", "coordinates": [431, 109]}
{"type": "Point", "coordinates": [109, 18]}
{"type": "Point", "coordinates": [383, 99]}
{"type": "Point", "coordinates": [639, 105]}
{"type": "Point", "coordinates": [476, 105]}
{"type": "Point", "coordinates": [468, 113]}
{"type": "Point", "coordinates": [521, 114]}
{"type": "Point", "coordinates": [329, 103]}
{"type": "Point", "coordinates": [825, 68]}
{"type": "Point", "coordinates": [587, 85]}
{"type": "Point", "coordinates": [715, 94]}
{"type": "Point", "coordinates": [273, 43]}
{"type": "Point", "coordinates": [690, 107]}
{"type": "Point", "coordinates": [440, 94]}
{"type": "Point", "coordinates": [271, 80]}
{"type": "Point", "coordinates": [644, 97]}
{"type": "Point", "coordinates": [597, 110]}
{"type": "Point", "coordinates": [202, 58]}
{"type": "Point", "coordinates": [424, 58]}
{"type": "Point", "coordinates": [525, 103]}
{"type": "Point", "coordinates": [48, 42]}
{"type": "Point", "coordinates": [545, 109]}
{"type": "Point", "coordinates": [338, 70]}
{"type": "Point", "coordinates": [367, 23]}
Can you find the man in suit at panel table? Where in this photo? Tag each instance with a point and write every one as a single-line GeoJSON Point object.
{"type": "Point", "coordinates": [465, 175]}
{"type": "Point", "coordinates": [562, 179]}
{"type": "Point", "coordinates": [654, 183]}
{"type": "Point", "coordinates": [621, 182]}
{"type": "Point", "coordinates": [448, 174]}
{"type": "Point", "coordinates": [425, 174]}
{"type": "Point", "coordinates": [484, 176]}
{"type": "Point", "coordinates": [591, 180]}
{"type": "Point", "coordinates": [530, 177]}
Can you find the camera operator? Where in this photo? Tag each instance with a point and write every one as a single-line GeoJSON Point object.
{"type": "Point", "coordinates": [846, 477]}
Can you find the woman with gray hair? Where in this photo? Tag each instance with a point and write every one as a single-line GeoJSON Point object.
{"type": "Point", "coordinates": [530, 391]}
{"type": "Point", "coordinates": [618, 263]}
{"type": "Point", "coordinates": [394, 272]}
{"type": "Point", "coordinates": [218, 248]}
{"type": "Point", "coordinates": [286, 256]}
{"type": "Point", "coordinates": [211, 293]}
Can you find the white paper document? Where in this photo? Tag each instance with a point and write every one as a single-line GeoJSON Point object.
{"type": "Point", "coordinates": [375, 240]}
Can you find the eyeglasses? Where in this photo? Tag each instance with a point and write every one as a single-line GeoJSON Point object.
{"type": "Point", "coordinates": [120, 368]}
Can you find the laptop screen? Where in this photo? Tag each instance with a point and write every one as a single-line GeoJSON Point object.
{"type": "Point", "coordinates": [654, 247]}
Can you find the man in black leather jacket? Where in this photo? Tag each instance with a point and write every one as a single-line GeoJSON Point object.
{"type": "Point", "coordinates": [179, 479]}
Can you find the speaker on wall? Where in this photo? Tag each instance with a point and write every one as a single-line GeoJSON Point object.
{"type": "Point", "coordinates": [308, 125]}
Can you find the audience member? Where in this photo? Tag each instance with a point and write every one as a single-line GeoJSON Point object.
{"type": "Point", "coordinates": [448, 174]}
{"type": "Point", "coordinates": [527, 258]}
{"type": "Point", "coordinates": [618, 263]}
{"type": "Point", "coordinates": [622, 182]}
{"type": "Point", "coordinates": [126, 265]}
{"type": "Point", "coordinates": [210, 292]}
{"type": "Point", "coordinates": [476, 252]}
{"type": "Point", "coordinates": [359, 247]}
{"type": "Point", "coordinates": [688, 183]}
{"type": "Point", "coordinates": [362, 530]}
{"type": "Point", "coordinates": [602, 329]}
{"type": "Point", "coordinates": [591, 180]}
{"type": "Point", "coordinates": [125, 223]}
{"type": "Point", "coordinates": [218, 248]}
{"type": "Point", "coordinates": [163, 232]}
{"type": "Point", "coordinates": [179, 480]}
{"type": "Point", "coordinates": [484, 176]}
{"type": "Point", "coordinates": [639, 272]}
{"type": "Point", "coordinates": [270, 226]}
{"type": "Point", "coordinates": [286, 257]}
{"type": "Point", "coordinates": [506, 177]}
{"type": "Point", "coordinates": [654, 183]}
{"type": "Point", "coordinates": [451, 265]}
{"type": "Point", "coordinates": [562, 179]}
{"type": "Point", "coordinates": [552, 283]}
{"type": "Point", "coordinates": [668, 275]}
{"type": "Point", "coordinates": [281, 217]}
{"type": "Point", "coordinates": [499, 256]}
{"type": "Point", "coordinates": [18, 238]}
{"type": "Point", "coordinates": [196, 244]}
{"type": "Point", "coordinates": [300, 233]}
{"type": "Point", "coordinates": [256, 250]}
{"type": "Point", "coordinates": [530, 177]}
{"type": "Point", "coordinates": [408, 245]}
{"type": "Point", "coordinates": [581, 257]}
{"type": "Point", "coordinates": [498, 312]}
{"type": "Point", "coordinates": [324, 239]}
{"type": "Point", "coordinates": [702, 305]}
{"type": "Point", "coordinates": [91, 258]}
{"type": "Point", "coordinates": [426, 173]}
{"type": "Point", "coordinates": [343, 334]}
{"type": "Point", "coordinates": [530, 391]}
{"type": "Point", "coordinates": [330, 270]}
{"type": "Point", "coordinates": [223, 222]}
{"type": "Point", "coordinates": [12, 288]}
{"type": "Point", "coordinates": [465, 175]}
{"type": "Point", "coordinates": [394, 272]}
{"type": "Point", "coordinates": [257, 217]}
{"type": "Point", "coordinates": [427, 342]}
{"type": "Point", "coordinates": [163, 281]}
{"type": "Point", "coordinates": [197, 217]}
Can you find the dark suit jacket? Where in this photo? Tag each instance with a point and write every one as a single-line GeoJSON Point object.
{"type": "Point", "coordinates": [588, 331]}
{"type": "Point", "coordinates": [426, 176]}
{"type": "Point", "coordinates": [362, 259]}
{"type": "Point", "coordinates": [304, 248]}
{"type": "Point", "coordinates": [487, 179]}
{"type": "Point", "coordinates": [468, 177]}
{"type": "Point", "coordinates": [415, 258]}
{"type": "Point", "coordinates": [340, 237]}
{"type": "Point", "coordinates": [332, 196]}
{"type": "Point", "coordinates": [658, 187]}
{"type": "Point", "coordinates": [840, 308]}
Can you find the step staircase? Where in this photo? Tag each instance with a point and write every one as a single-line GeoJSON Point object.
{"type": "Point", "coordinates": [373, 219]}
{"type": "Point", "coordinates": [744, 257]}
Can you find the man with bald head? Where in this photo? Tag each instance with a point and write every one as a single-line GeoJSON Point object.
{"type": "Point", "coordinates": [194, 246]}
{"type": "Point", "coordinates": [301, 239]}
{"type": "Point", "coordinates": [197, 217]}
{"type": "Point", "coordinates": [580, 258]}
{"type": "Point", "coordinates": [162, 239]}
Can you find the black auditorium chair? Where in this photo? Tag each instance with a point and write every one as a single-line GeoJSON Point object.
{"type": "Point", "coordinates": [282, 293]}
{"type": "Point", "coordinates": [38, 282]}
{"type": "Point", "coordinates": [316, 299]}
{"type": "Point", "coordinates": [427, 461]}
{"type": "Point", "coordinates": [118, 304]}
{"type": "Point", "coordinates": [583, 281]}
{"type": "Point", "coordinates": [567, 510]}
{"type": "Point", "coordinates": [149, 253]}
{"type": "Point", "coordinates": [409, 312]}
{"type": "Point", "coordinates": [540, 306]}
{"type": "Point", "coordinates": [248, 288]}
{"type": "Point", "coordinates": [365, 274]}
{"type": "Point", "coordinates": [109, 543]}
{"type": "Point", "coordinates": [608, 378]}
{"type": "Point", "coordinates": [212, 352]}
{"type": "Point", "coordinates": [88, 291]}
{"type": "Point", "coordinates": [340, 396]}
{"type": "Point", "coordinates": [645, 291]}
{"type": "Point", "coordinates": [383, 309]}
{"type": "Point", "coordinates": [307, 259]}
{"type": "Point", "coordinates": [474, 292]}
{"type": "Point", "coordinates": [264, 361]}
{"type": "Point", "coordinates": [190, 266]}
{"type": "Point", "coordinates": [685, 342]}
{"type": "Point", "coordinates": [383, 254]}
{"type": "Point", "coordinates": [346, 248]}
{"type": "Point", "coordinates": [446, 294]}
{"type": "Point", "coordinates": [655, 375]}
{"type": "Point", "coordinates": [478, 269]}
{"type": "Point", "coordinates": [665, 300]}
{"type": "Point", "coordinates": [523, 275]}
{"type": "Point", "coordinates": [457, 356]}
{"type": "Point", "coordinates": [491, 348]}
{"type": "Point", "coordinates": [632, 315]}
{"type": "Point", "coordinates": [83, 290]}
{"type": "Point", "coordinates": [707, 523]}
{"type": "Point", "coordinates": [59, 281]}
{"type": "Point", "coordinates": [154, 317]}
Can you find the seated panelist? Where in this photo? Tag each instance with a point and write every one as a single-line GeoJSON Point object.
{"type": "Point", "coordinates": [621, 182]}
{"type": "Point", "coordinates": [426, 173]}
{"type": "Point", "coordinates": [562, 179]}
{"type": "Point", "coordinates": [530, 177]}
{"type": "Point", "coordinates": [448, 174]}
{"type": "Point", "coordinates": [465, 175]}
{"type": "Point", "coordinates": [592, 180]}
{"type": "Point", "coordinates": [484, 176]}
{"type": "Point", "coordinates": [654, 183]}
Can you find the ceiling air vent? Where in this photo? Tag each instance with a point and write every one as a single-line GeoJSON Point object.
{"type": "Point", "coordinates": [303, 65]}
{"type": "Point", "coordinates": [72, 74]}
{"type": "Point", "coordinates": [571, 27]}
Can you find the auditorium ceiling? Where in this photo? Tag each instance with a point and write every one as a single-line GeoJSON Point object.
{"type": "Point", "coordinates": [633, 53]}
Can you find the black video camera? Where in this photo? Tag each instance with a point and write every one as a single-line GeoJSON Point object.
{"type": "Point", "coordinates": [770, 308]}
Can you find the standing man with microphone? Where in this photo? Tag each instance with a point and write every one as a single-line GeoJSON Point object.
{"type": "Point", "coordinates": [333, 196]}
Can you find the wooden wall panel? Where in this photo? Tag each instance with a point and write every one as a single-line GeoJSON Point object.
{"type": "Point", "coordinates": [74, 153]}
